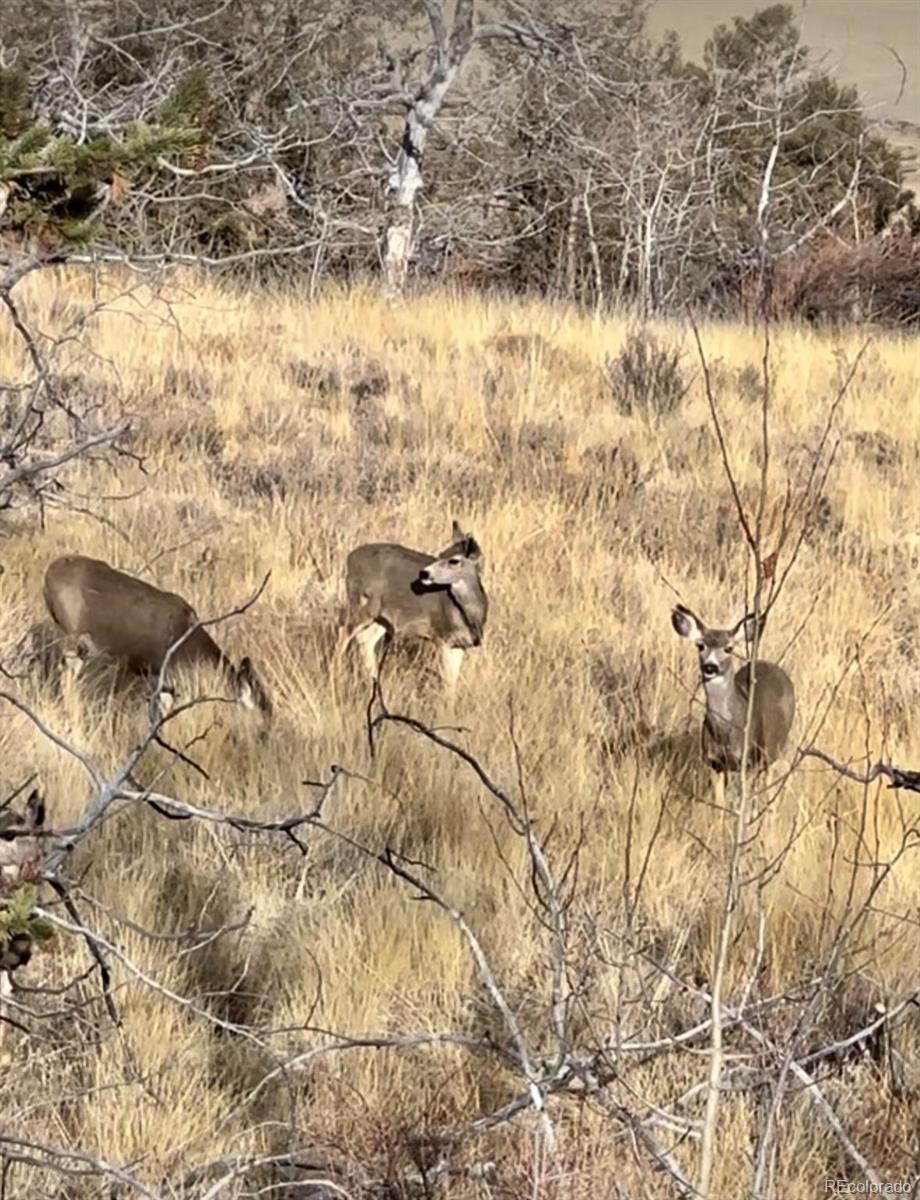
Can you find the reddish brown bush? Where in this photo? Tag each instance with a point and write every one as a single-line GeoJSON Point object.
{"type": "Point", "coordinates": [878, 281]}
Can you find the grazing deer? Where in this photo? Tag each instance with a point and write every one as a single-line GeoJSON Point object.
{"type": "Point", "coordinates": [108, 612]}
{"type": "Point", "coordinates": [728, 687]}
{"type": "Point", "coordinates": [394, 592]}
{"type": "Point", "coordinates": [20, 861]}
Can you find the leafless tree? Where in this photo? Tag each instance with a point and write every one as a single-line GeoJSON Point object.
{"type": "Point", "coordinates": [42, 432]}
{"type": "Point", "coordinates": [522, 145]}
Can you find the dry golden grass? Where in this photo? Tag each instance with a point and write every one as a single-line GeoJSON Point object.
{"type": "Point", "coordinates": [592, 524]}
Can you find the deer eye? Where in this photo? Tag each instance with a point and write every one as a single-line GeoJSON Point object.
{"type": "Point", "coordinates": [453, 562]}
{"type": "Point", "coordinates": [728, 647]}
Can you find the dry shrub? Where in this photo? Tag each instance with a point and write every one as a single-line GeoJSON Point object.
{"type": "Point", "coordinates": [617, 466]}
{"type": "Point", "coordinates": [185, 381]}
{"type": "Point", "coordinates": [218, 347]}
{"type": "Point", "coordinates": [534, 347]}
{"type": "Point", "coordinates": [605, 476]}
{"type": "Point", "coordinates": [306, 464]}
{"type": "Point", "coordinates": [194, 431]}
{"type": "Point", "coordinates": [877, 448]}
{"type": "Point", "coordinates": [515, 359]}
{"type": "Point", "coordinates": [668, 526]}
{"type": "Point", "coordinates": [529, 445]}
{"type": "Point", "coordinates": [348, 368]}
{"type": "Point", "coordinates": [262, 480]}
{"type": "Point", "coordinates": [373, 426]}
{"type": "Point", "coordinates": [695, 450]}
{"type": "Point", "coordinates": [308, 376]}
{"type": "Point", "coordinates": [749, 383]}
{"type": "Point", "coordinates": [518, 345]}
{"type": "Point", "coordinates": [837, 282]}
{"type": "Point", "coordinates": [825, 522]}
{"type": "Point", "coordinates": [617, 681]}
{"type": "Point", "coordinates": [77, 390]}
{"type": "Point", "coordinates": [646, 378]}
{"type": "Point", "coordinates": [37, 652]}
{"type": "Point", "coordinates": [378, 478]}
{"type": "Point", "coordinates": [464, 480]}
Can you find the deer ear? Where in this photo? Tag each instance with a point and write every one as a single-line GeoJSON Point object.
{"type": "Point", "coordinates": [472, 550]}
{"type": "Point", "coordinates": [245, 681]}
{"type": "Point", "coordinates": [686, 624]}
{"type": "Point", "coordinates": [35, 810]}
{"type": "Point", "coordinates": [251, 690]}
{"type": "Point", "coordinates": [457, 533]}
{"type": "Point", "coordinates": [750, 626]}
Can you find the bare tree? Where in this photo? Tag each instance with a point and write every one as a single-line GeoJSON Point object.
{"type": "Point", "coordinates": [451, 46]}
{"type": "Point", "coordinates": [42, 432]}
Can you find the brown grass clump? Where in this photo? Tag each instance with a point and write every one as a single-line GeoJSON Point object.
{"type": "Point", "coordinates": [276, 439]}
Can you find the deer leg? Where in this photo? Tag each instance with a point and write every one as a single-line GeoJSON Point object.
{"type": "Point", "coordinates": [71, 663]}
{"type": "Point", "coordinates": [337, 661]}
{"type": "Point", "coordinates": [166, 701]}
{"type": "Point", "coordinates": [451, 662]}
{"type": "Point", "coordinates": [76, 649]}
{"type": "Point", "coordinates": [73, 657]}
{"type": "Point", "coordinates": [368, 638]}
{"type": "Point", "coordinates": [343, 641]}
{"type": "Point", "coordinates": [718, 789]}
{"type": "Point", "coordinates": [348, 633]}
{"type": "Point", "coordinates": [352, 630]}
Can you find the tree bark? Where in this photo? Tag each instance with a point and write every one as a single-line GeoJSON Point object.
{"type": "Point", "coordinates": [406, 179]}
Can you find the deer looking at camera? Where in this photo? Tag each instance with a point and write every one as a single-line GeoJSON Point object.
{"type": "Point", "coordinates": [727, 682]}
{"type": "Point", "coordinates": [394, 592]}
{"type": "Point", "coordinates": [108, 612]}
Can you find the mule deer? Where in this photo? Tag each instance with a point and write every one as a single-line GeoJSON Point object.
{"type": "Point", "coordinates": [108, 612]}
{"type": "Point", "coordinates": [20, 861]}
{"type": "Point", "coordinates": [728, 687]}
{"type": "Point", "coordinates": [394, 592]}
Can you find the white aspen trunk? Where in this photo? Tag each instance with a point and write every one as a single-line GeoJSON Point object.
{"type": "Point", "coordinates": [406, 179]}
{"type": "Point", "coordinates": [592, 247]}
{"type": "Point", "coordinates": [570, 249]}
{"type": "Point", "coordinates": [623, 278]}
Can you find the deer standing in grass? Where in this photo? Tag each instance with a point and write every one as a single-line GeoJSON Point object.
{"type": "Point", "coordinates": [727, 684]}
{"type": "Point", "coordinates": [20, 862]}
{"type": "Point", "coordinates": [108, 612]}
{"type": "Point", "coordinates": [394, 592]}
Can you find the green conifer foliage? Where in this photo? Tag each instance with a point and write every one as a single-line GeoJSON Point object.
{"type": "Point", "coordinates": [55, 184]}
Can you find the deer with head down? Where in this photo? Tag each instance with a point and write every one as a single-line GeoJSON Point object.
{"type": "Point", "coordinates": [107, 612]}
{"type": "Point", "coordinates": [727, 682]}
{"type": "Point", "coordinates": [394, 592]}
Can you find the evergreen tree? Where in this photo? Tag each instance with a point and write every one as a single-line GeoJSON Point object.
{"type": "Point", "coordinates": [54, 187]}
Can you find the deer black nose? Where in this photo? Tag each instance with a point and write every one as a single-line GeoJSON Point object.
{"type": "Point", "coordinates": [425, 575]}
{"type": "Point", "coordinates": [709, 670]}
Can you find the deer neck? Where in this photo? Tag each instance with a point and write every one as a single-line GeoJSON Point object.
{"type": "Point", "coordinates": [469, 600]}
{"type": "Point", "coordinates": [722, 700]}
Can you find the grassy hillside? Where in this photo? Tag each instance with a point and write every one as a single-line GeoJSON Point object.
{"type": "Point", "coordinates": [853, 39]}
{"type": "Point", "coordinates": [275, 437]}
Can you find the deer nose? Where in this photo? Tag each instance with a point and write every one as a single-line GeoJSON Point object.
{"type": "Point", "coordinates": [425, 575]}
{"type": "Point", "coordinates": [709, 670]}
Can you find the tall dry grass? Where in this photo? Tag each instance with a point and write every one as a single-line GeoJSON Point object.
{"type": "Point", "coordinates": [276, 436]}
